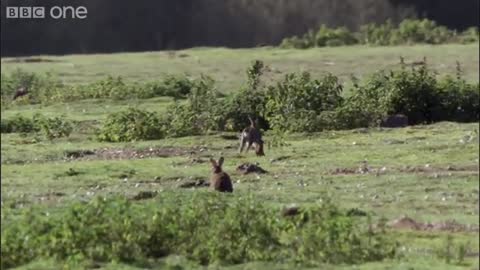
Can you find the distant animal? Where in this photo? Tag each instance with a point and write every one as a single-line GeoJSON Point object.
{"type": "Point", "coordinates": [290, 211]}
{"type": "Point", "coordinates": [420, 63]}
{"type": "Point", "coordinates": [220, 180]}
{"type": "Point", "coordinates": [252, 136]}
{"type": "Point", "coordinates": [22, 91]}
{"type": "Point", "coordinates": [395, 121]}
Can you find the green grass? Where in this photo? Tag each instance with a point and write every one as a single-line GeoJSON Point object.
{"type": "Point", "coordinates": [32, 172]}
{"type": "Point", "coordinates": [227, 66]}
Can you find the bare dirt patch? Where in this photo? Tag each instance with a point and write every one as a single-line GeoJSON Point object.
{"type": "Point", "coordinates": [407, 223]}
{"type": "Point", "coordinates": [130, 153]}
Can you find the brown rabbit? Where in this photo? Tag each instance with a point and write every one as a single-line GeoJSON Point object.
{"type": "Point", "coordinates": [252, 136]}
{"type": "Point", "coordinates": [220, 180]}
{"type": "Point", "coordinates": [22, 91]}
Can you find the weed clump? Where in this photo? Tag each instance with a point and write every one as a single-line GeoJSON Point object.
{"type": "Point", "coordinates": [131, 125]}
{"type": "Point", "coordinates": [206, 228]}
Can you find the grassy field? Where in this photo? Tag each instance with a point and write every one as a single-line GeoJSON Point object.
{"type": "Point", "coordinates": [428, 172]}
{"type": "Point", "coordinates": [227, 66]}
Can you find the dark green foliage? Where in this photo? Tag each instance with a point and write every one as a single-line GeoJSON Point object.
{"type": "Point", "coordinates": [409, 31]}
{"type": "Point", "coordinates": [470, 35]}
{"type": "Point", "coordinates": [54, 127]}
{"type": "Point", "coordinates": [415, 92]}
{"type": "Point", "coordinates": [19, 124]}
{"type": "Point", "coordinates": [51, 127]}
{"type": "Point", "coordinates": [48, 89]}
{"type": "Point", "coordinates": [39, 86]}
{"type": "Point", "coordinates": [323, 37]}
{"type": "Point", "coordinates": [131, 125]}
{"type": "Point", "coordinates": [198, 115]}
{"type": "Point", "coordinates": [248, 101]}
{"type": "Point", "coordinates": [459, 100]}
{"type": "Point", "coordinates": [295, 103]}
{"type": "Point", "coordinates": [205, 227]}
{"type": "Point", "coordinates": [176, 86]}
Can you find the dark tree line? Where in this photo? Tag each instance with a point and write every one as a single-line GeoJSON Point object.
{"type": "Point", "coordinates": [126, 25]}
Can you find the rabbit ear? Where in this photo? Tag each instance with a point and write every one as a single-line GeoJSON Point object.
{"type": "Point", "coordinates": [220, 162]}
{"type": "Point", "coordinates": [214, 163]}
{"type": "Point", "coordinates": [251, 120]}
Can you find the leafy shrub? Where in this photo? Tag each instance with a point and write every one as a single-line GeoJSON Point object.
{"type": "Point", "coordinates": [176, 86]}
{"type": "Point", "coordinates": [34, 82]}
{"type": "Point", "coordinates": [47, 88]}
{"type": "Point", "coordinates": [131, 125]}
{"type": "Point", "coordinates": [247, 102]}
{"type": "Point", "coordinates": [470, 35]}
{"type": "Point", "coordinates": [199, 114]}
{"type": "Point", "coordinates": [51, 127]}
{"type": "Point", "coordinates": [323, 37]}
{"type": "Point", "coordinates": [379, 35]}
{"type": "Point", "coordinates": [295, 103]}
{"type": "Point", "coordinates": [334, 37]}
{"type": "Point", "coordinates": [205, 227]}
{"type": "Point", "coordinates": [19, 124]}
{"type": "Point", "coordinates": [54, 127]}
{"type": "Point", "coordinates": [409, 31]}
{"type": "Point", "coordinates": [421, 31]}
{"type": "Point", "coordinates": [414, 92]}
{"type": "Point", "coordinates": [459, 100]}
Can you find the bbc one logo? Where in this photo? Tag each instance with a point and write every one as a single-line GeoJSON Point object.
{"type": "Point", "coordinates": [56, 12]}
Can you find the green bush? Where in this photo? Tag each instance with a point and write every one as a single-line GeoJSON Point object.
{"type": "Point", "coordinates": [19, 124]}
{"type": "Point", "coordinates": [205, 227]}
{"type": "Point", "coordinates": [323, 37]}
{"type": "Point", "coordinates": [47, 88]}
{"type": "Point", "coordinates": [199, 114]}
{"type": "Point", "coordinates": [50, 127]}
{"type": "Point", "coordinates": [334, 37]}
{"type": "Point", "coordinates": [459, 100]}
{"type": "Point", "coordinates": [415, 92]}
{"type": "Point", "coordinates": [36, 84]}
{"type": "Point", "coordinates": [247, 102]}
{"type": "Point", "coordinates": [379, 35]}
{"type": "Point", "coordinates": [470, 35]}
{"type": "Point", "coordinates": [54, 127]}
{"type": "Point", "coordinates": [295, 103]}
{"type": "Point", "coordinates": [409, 31]}
{"type": "Point", "coordinates": [421, 31]}
{"type": "Point", "coordinates": [131, 125]}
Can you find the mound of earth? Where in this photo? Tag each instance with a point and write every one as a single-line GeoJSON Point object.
{"type": "Point", "coordinates": [195, 183]}
{"type": "Point", "coordinates": [405, 223]}
{"type": "Point", "coordinates": [143, 195]}
{"type": "Point", "coordinates": [247, 168]}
